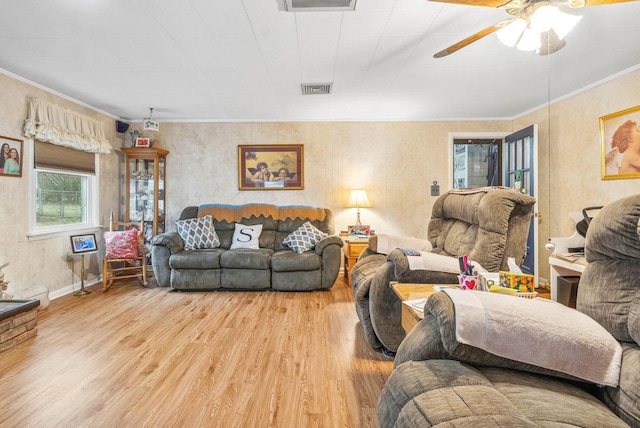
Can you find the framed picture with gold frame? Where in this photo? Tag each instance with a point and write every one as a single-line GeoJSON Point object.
{"type": "Point", "coordinates": [620, 144]}
{"type": "Point", "coordinates": [271, 167]}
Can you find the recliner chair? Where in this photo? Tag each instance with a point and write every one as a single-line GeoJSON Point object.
{"type": "Point", "coordinates": [489, 225]}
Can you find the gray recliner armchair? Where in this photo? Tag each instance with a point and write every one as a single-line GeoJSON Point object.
{"type": "Point", "coordinates": [439, 380]}
{"type": "Point", "coordinates": [488, 225]}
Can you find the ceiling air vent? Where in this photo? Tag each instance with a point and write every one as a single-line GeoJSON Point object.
{"type": "Point", "coordinates": [316, 88]}
{"type": "Point", "coordinates": [320, 5]}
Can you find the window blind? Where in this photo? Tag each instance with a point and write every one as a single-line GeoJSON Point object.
{"type": "Point", "coordinates": [63, 158]}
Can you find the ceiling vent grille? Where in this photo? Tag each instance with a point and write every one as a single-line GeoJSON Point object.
{"type": "Point", "coordinates": [316, 88]}
{"type": "Point", "coordinates": [320, 5]}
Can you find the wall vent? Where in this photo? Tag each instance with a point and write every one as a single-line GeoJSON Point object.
{"type": "Point", "coordinates": [316, 88]}
{"type": "Point", "coordinates": [320, 5]}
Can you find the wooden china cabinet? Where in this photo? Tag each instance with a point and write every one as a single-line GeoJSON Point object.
{"type": "Point", "coordinates": [145, 189]}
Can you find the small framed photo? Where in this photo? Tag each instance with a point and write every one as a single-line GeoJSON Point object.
{"type": "Point", "coordinates": [143, 142]}
{"type": "Point", "coordinates": [10, 157]}
{"type": "Point", "coordinates": [81, 244]}
{"type": "Point", "coordinates": [359, 230]}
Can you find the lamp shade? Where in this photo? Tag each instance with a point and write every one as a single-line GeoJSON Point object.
{"type": "Point", "coordinates": [358, 199]}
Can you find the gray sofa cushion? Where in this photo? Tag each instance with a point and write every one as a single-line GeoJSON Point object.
{"type": "Point", "coordinates": [246, 258]}
{"type": "Point", "coordinates": [445, 393]}
{"type": "Point", "coordinates": [288, 261]}
{"type": "Point", "coordinates": [200, 259]}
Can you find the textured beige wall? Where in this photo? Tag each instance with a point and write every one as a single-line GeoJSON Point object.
{"type": "Point", "coordinates": [570, 156]}
{"type": "Point", "coordinates": [395, 161]}
{"type": "Point", "coordinates": [43, 261]}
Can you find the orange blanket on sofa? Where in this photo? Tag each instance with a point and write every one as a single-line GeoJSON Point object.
{"type": "Point", "coordinates": [235, 213]}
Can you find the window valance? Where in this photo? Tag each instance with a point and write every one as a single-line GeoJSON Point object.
{"type": "Point", "coordinates": [60, 126]}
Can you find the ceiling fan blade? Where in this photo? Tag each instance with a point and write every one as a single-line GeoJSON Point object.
{"type": "Point", "coordinates": [601, 2]}
{"type": "Point", "coordinates": [487, 3]}
{"type": "Point", "coordinates": [473, 38]}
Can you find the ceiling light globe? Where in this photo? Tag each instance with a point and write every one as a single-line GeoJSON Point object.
{"type": "Point", "coordinates": [550, 17]}
{"type": "Point", "coordinates": [510, 34]}
{"type": "Point", "coordinates": [529, 41]}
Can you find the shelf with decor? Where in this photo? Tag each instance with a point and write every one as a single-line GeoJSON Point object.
{"type": "Point", "coordinates": [145, 189]}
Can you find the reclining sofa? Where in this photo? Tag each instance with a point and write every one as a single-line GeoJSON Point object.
{"type": "Point", "coordinates": [274, 265]}
{"type": "Point", "coordinates": [439, 381]}
{"type": "Point", "coordinates": [489, 225]}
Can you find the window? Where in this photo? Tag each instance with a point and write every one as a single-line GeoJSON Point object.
{"type": "Point", "coordinates": [61, 199]}
{"type": "Point", "coordinates": [64, 182]}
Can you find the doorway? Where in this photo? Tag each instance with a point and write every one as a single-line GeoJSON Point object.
{"type": "Point", "coordinates": [477, 161]}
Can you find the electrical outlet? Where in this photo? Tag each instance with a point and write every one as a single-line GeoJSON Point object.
{"type": "Point", "coordinates": [435, 189]}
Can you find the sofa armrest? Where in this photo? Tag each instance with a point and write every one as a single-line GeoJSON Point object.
{"type": "Point", "coordinates": [435, 338]}
{"type": "Point", "coordinates": [326, 241]}
{"type": "Point", "coordinates": [171, 240]}
{"type": "Point", "coordinates": [162, 247]}
{"type": "Point", "coordinates": [403, 273]}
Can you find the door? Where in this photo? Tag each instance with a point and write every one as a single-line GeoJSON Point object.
{"type": "Point", "coordinates": [520, 153]}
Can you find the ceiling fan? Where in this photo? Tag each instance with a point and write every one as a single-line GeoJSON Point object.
{"type": "Point", "coordinates": [535, 24]}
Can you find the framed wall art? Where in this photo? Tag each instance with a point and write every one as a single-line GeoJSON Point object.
{"type": "Point", "coordinates": [11, 157]}
{"type": "Point", "coordinates": [81, 244]}
{"type": "Point", "coordinates": [271, 167]}
{"type": "Point", "coordinates": [620, 144]}
{"type": "Point", "coordinates": [143, 142]}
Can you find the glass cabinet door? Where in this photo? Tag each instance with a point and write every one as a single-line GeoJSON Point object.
{"type": "Point", "coordinates": [145, 187]}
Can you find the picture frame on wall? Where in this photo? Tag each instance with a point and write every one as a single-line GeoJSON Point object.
{"type": "Point", "coordinates": [82, 244]}
{"type": "Point", "coordinates": [271, 167]}
{"type": "Point", "coordinates": [11, 157]}
{"type": "Point", "coordinates": [620, 144]}
{"type": "Point", "coordinates": [143, 142]}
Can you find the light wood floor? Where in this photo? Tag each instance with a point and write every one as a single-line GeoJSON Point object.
{"type": "Point", "coordinates": [136, 357]}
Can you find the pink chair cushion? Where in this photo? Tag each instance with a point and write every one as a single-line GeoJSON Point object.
{"type": "Point", "coordinates": [122, 244]}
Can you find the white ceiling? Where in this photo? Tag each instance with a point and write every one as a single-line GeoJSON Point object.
{"type": "Point", "coordinates": [244, 60]}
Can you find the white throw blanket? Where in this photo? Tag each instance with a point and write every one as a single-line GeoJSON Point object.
{"type": "Point", "coordinates": [438, 263]}
{"type": "Point", "coordinates": [386, 243]}
{"type": "Point", "coordinates": [540, 332]}
{"type": "Point", "coordinates": [435, 262]}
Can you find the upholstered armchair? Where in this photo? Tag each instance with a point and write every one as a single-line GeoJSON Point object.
{"type": "Point", "coordinates": [488, 225]}
{"type": "Point", "coordinates": [440, 378]}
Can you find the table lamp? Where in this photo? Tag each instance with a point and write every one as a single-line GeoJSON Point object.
{"type": "Point", "coordinates": [358, 199]}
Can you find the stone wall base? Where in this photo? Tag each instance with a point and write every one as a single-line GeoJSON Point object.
{"type": "Point", "coordinates": [17, 329]}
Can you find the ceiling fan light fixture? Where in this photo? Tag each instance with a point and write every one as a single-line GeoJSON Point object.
{"type": "Point", "coordinates": [510, 34]}
{"type": "Point", "coordinates": [547, 18]}
{"type": "Point", "coordinates": [525, 33]}
{"type": "Point", "coordinates": [550, 43]}
{"type": "Point", "coordinates": [529, 41]}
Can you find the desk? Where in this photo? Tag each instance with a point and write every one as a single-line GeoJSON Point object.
{"type": "Point", "coordinates": [563, 267]}
{"type": "Point", "coordinates": [411, 316]}
{"type": "Point", "coordinates": [352, 249]}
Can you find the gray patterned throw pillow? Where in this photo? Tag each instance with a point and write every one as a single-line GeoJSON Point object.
{"type": "Point", "coordinates": [304, 238]}
{"type": "Point", "coordinates": [198, 233]}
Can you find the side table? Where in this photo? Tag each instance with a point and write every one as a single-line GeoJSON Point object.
{"type": "Point", "coordinates": [411, 316]}
{"type": "Point", "coordinates": [352, 249]}
{"type": "Point", "coordinates": [560, 265]}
